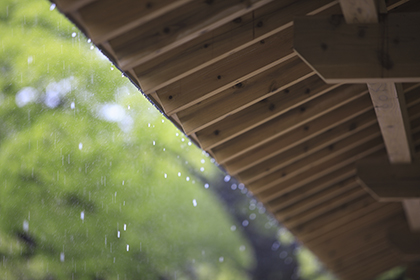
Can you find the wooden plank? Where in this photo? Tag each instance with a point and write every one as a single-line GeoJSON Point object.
{"type": "Point", "coordinates": [173, 29]}
{"type": "Point", "coordinates": [340, 247]}
{"type": "Point", "coordinates": [390, 108]}
{"type": "Point", "coordinates": [358, 11]}
{"type": "Point", "coordinates": [107, 19]}
{"type": "Point", "coordinates": [229, 72]}
{"type": "Point", "coordinates": [269, 192]}
{"type": "Point", "coordinates": [327, 139]}
{"type": "Point", "coordinates": [225, 41]}
{"type": "Point", "coordinates": [372, 269]}
{"type": "Point", "coordinates": [239, 125]}
{"type": "Point", "coordinates": [287, 122]}
{"type": "Point", "coordinates": [356, 218]}
{"type": "Point", "coordinates": [412, 209]}
{"type": "Point", "coordinates": [390, 182]}
{"type": "Point", "coordinates": [310, 133]}
{"type": "Point", "coordinates": [348, 53]}
{"type": "Point", "coordinates": [264, 97]}
{"type": "Point", "coordinates": [325, 206]}
{"type": "Point", "coordinates": [317, 185]}
{"type": "Point", "coordinates": [315, 159]}
{"type": "Point", "coordinates": [68, 6]}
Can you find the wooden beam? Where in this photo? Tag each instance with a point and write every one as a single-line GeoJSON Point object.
{"type": "Point", "coordinates": [391, 111]}
{"type": "Point", "coordinates": [306, 136]}
{"type": "Point", "coordinates": [227, 73]}
{"type": "Point", "coordinates": [316, 159]}
{"type": "Point", "coordinates": [283, 123]}
{"type": "Point", "coordinates": [412, 209]}
{"type": "Point", "coordinates": [360, 53]}
{"type": "Point", "coordinates": [257, 93]}
{"type": "Point", "coordinates": [390, 182]}
{"type": "Point", "coordinates": [406, 242]}
{"type": "Point", "coordinates": [325, 140]}
{"type": "Point", "coordinates": [108, 19]}
{"type": "Point", "coordinates": [226, 40]}
{"type": "Point", "coordinates": [274, 128]}
{"type": "Point", "coordinates": [318, 185]}
{"type": "Point", "coordinates": [68, 6]}
{"type": "Point", "coordinates": [398, 38]}
{"type": "Point", "coordinates": [176, 28]}
{"type": "Point", "coordinates": [271, 191]}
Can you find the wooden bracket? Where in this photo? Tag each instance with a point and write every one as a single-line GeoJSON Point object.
{"type": "Point", "coordinates": [386, 51]}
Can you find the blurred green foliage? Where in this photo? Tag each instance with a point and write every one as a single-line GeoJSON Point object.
{"type": "Point", "coordinates": [94, 183]}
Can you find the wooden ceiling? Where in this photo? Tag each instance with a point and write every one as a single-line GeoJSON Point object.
{"type": "Point", "coordinates": [226, 73]}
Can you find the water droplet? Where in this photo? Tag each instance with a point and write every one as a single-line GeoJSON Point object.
{"type": "Point", "coordinates": [25, 225]}
{"type": "Point", "coordinates": [188, 178]}
{"type": "Point", "coordinates": [125, 227]}
{"type": "Point", "coordinates": [245, 223]}
{"type": "Point", "coordinates": [241, 186]}
{"type": "Point", "coordinates": [163, 121]}
{"type": "Point", "coordinates": [82, 215]}
{"type": "Point", "coordinates": [189, 143]}
{"type": "Point", "coordinates": [118, 234]}
{"type": "Point", "coordinates": [62, 256]}
{"type": "Point", "coordinates": [89, 40]}
{"type": "Point", "coordinates": [221, 259]}
{"type": "Point", "coordinates": [283, 254]}
{"type": "Point", "coordinates": [80, 146]}
{"type": "Point", "coordinates": [206, 186]}
{"type": "Point", "coordinates": [252, 216]}
{"type": "Point", "coordinates": [194, 202]}
{"type": "Point", "coordinates": [154, 143]}
{"type": "Point", "coordinates": [233, 186]}
{"type": "Point", "coordinates": [233, 228]}
{"type": "Point", "coordinates": [52, 7]}
{"type": "Point", "coordinates": [165, 175]}
{"type": "Point", "coordinates": [73, 34]}
{"type": "Point", "coordinates": [202, 169]}
{"type": "Point", "coordinates": [227, 178]}
{"type": "Point", "coordinates": [128, 107]}
{"type": "Point", "coordinates": [112, 68]}
{"type": "Point", "coordinates": [179, 174]}
{"type": "Point", "coordinates": [128, 247]}
{"type": "Point", "coordinates": [242, 248]}
{"type": "Point", "coordinates": [92, 47]}
{"type": "Point", "coordinates": [72, 105]}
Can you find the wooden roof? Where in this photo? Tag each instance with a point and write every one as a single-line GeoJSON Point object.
{"type": "Point", "coordinates": [225, 71]}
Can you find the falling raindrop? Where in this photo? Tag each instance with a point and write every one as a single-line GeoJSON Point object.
{"type": "Point", "coordinates": [206, 186]}
{"type": "Point", "coordinates": [62, 256]}
{"type": "Point", "coordinates": [82, 215]}
{"type": "Point", "coordinates": [72, 105]}
{"type": "Point", "coordinates": [125, 227]}
{"type": "Point", "coordinates": [165, 175]}
{"type": "Point", "coordinates": [52, 7]}
{"type": "Point", "coordinates": [194, 202]}
{"type": "Point", "coordinates": [89, 40]}
{"type": "Point", "coordinates": [128, 107]}
{"type": "Point", "coordinates": [233, 228]}
{"type": "Point", "coordinates": [73, 34]}
{"type": "Point", "coordinates": [128, 247]}
{"type": "Point", "coordinates": [202, 169]}
{"type": "Point", "coordinates": [80, 146]}
{"type": "Point", "coordinates": [242, 248]}
{"type": "Point", "coordinates": [25, 225]}
{"type": "Point", "coordinates": [179, 174]}
{"type": "Point", "coordinates": [221, 259]}
{"type": "Point", "coordinates": [227, 178]}
{"type": "Point", "coordinates": [188, 178]}
{"type": "Point", "coordinates": [118, 234]}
